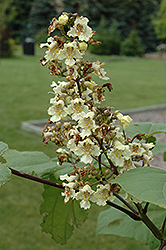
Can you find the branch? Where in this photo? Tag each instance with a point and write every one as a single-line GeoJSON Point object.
{"type": "Point", "coordinates": [124, 210]}
{"type": "Point", "coordinates": [126, 203]}
{"type": "Point", "coordinates": [162, 245]}
{"type": "Point", "coordinates": [146, 220]}
{"type": "Point", "coordinates": [37, 179]}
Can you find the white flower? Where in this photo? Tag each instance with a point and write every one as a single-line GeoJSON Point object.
{"type": "Point", "coordinates": [124, 121]}
{"type": "Point", "coordinates": [119, 153]}
{"type": "Point", "coordinates": [98, 71]}
{"type": "Point", "coordinates": [81, 29]}
{"type": "Point", "coordinates": [102, 195]}
{"type": "Point", "coordinates": [88, 148]}
{"type": "Point", "coordinates": [128, 164]}
{"type": "Point", "coordinates": [77, 107]}
{"type": "Point", "coordinates": [68, 178]}
{"type": "Point", "coordinates": [72, 72]}
{"type": "Point", "coordinates": [83, 47]}
{"type": "Point", "coordinates": [53, 49]}
{"type": "Point", "coordinates": [85, 194]}
{"type": "Point", "coordinates": [57, 111]}
{"type": "Point", "coordinates": [70, 51]}
{"type": "Point", "coordinates": [87, 123]}
{"type": "Point", "coordinates": [137, 149]}
{"type": "Point", "coordinates": [63, 19]}
{"type": "Point", "coordinates": [69, 191]}
{"type": "Point", "coordinates": [90, 84]}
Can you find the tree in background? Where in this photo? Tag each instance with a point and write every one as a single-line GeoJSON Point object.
{"type": "Point", "coordinates": [7, 14]}
{"type": "Point", "coordinates": [18, 26]}
{"type": "Point", "coordinates": [130, 14]}
{"type": "Point", "coordinates": [41, 11]}
{"type": "Point", "coordinates": [160, 21]}
{"type": "Point", "coordinates": [131, 46]}
{"type": "Point", "coordinates": [110, 39]}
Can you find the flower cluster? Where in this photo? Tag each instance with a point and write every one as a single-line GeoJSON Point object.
{"type": "Point", "coordinates": [89, 136]}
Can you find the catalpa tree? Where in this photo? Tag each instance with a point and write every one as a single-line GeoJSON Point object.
{"type": "Point", "coordinates": [102, 156]}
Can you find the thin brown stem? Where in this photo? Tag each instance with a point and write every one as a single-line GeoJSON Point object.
{"type": "Point", "coordinates": [124, 210]}
{"type": "Point", "coordinates": [162, 245]}
{"type": "Point", "coordinates": [125, 202]}
{"type": "Point", "coordinates": [34, 178]}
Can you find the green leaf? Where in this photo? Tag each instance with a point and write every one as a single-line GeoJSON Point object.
{"type": "Point", "coordinates": [30, 163]}
{"type": "Point", "coordinates": [145, 127]}
{"type": "Point", "coordinates": [147, 184]}
{"type": "Point", "coordinates": [159, 148]}
{"type": "Point", "coordinates": [164, 156]}
{"type": "Point", "coordinates": [3, 147]}
{"type": "Point", "coordinates": [5, 174]}
{"type": "Point", "coordinates": [115, 222]}
{"type": "Point", "coordinates": [60, 219]}
{"type": "Point", "coordinates": [65, 168]}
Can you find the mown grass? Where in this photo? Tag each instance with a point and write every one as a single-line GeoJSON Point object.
{"type": "Point", "coordinates": [24, 84]}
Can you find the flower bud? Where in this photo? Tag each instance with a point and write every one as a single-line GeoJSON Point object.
{"type": "Point", "coordinates": [83, 46]}
{"type": "Point", "coordinates": [58, 125]}
{"type": "Point", "coordinates": [63, 19]}
{"type": "Point", "coordinates": [107, 112]}
{"type": "Point", "coordinates": [106, 172]}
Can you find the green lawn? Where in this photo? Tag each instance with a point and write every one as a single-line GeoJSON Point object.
{"type": "Point", "coordinates": [24, 84]}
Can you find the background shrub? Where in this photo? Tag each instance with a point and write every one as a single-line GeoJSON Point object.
{"type": "Point", "coordinates": [132, 46]}
{"type": "Point", "coordinates": [109, 37]}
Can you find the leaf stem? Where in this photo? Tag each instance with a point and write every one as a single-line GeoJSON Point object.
{"type": "Point", "coordinates": [163, 226]}
{"type": "Point", "coordinates": [126, 203]}
{"type": "Point", "coordinates": [37, 179]}
{"type": "Point", "coordinates": [162, 245]}
{"type": "Point", "coordinates": [124, 210]}
{"type": "Point", "coordinates": [145, 219]}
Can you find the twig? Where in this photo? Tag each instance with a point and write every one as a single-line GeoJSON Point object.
{"type": "Point", "coordinates": [162, 245]}
{"type": "Point", "coordinates": [37, 179]}
{"type": "Point", "coordinates": [124, 210]}
{"type": "Point", "coordinates": [163, 226]}
{"type": "Point", "coordinates": [126, 203]}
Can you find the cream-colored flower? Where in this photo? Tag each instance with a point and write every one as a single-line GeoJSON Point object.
{"type": "Point", "coordinates": [85, 194]}
{"type": "Point", "coordinates": [52, 51]}
{"type": "Point", "coordinates": [87, 148]}
{"type": "Point", "coordinates": [102, 194]}
{"type": "Point", "coordinates": [119, 153]}
{"type": "Point", "coordinates": [83, 47]}
{"type": "Point", "coordinates": [63, 19]}
{"type": "Point", "coordinates": [76, 108]}
{"type": "Point", "coordinates": [98, 70]}
{"type": "Point", "coordinates": [57, 111]}
{"type": "Point", "coordinates": [69, 191]}
{"type": "Point", "coordinates": [90, 84]}
{"type": "Point", "coordinates": [72, 72]}
{"type": "Point", "coordinates": [68, 178]}
{"type": "Point", "coordinates": [71, 52]}
{"type": "Point", "coordinates": [87, 123]}
{"type": "Point", "coordinates": [124, 120]}
{"type": "Point", "coordinates": [81, 29]}
{"type": "Point", "coordinates": [137, 149]}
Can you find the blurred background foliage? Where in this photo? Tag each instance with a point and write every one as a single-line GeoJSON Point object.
{"type": "Point", "coordinates": [118, 24]}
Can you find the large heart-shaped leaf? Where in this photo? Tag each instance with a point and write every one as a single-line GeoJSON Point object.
{"type": "Point", "coordinates": [145, 127]}
{"type": "Point", "coordinates": [147, 184]}
{"type": "Point", "coordinates": [60, 219]}
{"type": "Point", "coordinates": [5, 174]}
{"type": "Point", "coordinates": [115, 222]}
{"type": "Point", "coordinates": [3, 147]}
{"type": "Point", "coordinates": [30, 162]}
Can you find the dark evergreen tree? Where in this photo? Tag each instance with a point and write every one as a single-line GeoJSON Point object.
{"type": "Point", "coordinates": [41, 13]}
{"type": "Point", "coordinates": [130, 14]}
{"type": "Point", "coordinates": [22, 9]}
